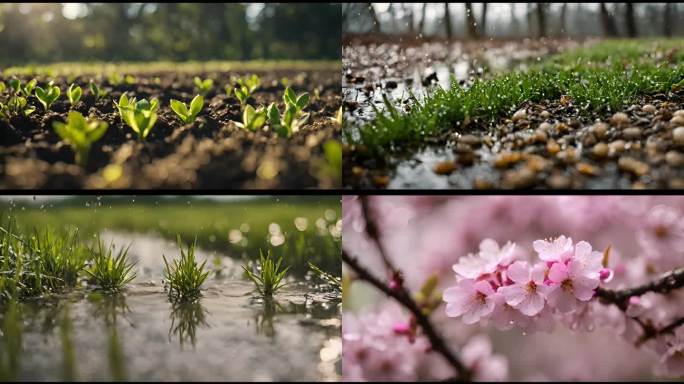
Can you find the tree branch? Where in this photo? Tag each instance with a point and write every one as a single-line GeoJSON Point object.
{"type": "Point", "coordinates": [664, 284]}
{"type": "Point", "coordinates": [404, 298]}
{"type": "Point", "coordinates": [373, 233]}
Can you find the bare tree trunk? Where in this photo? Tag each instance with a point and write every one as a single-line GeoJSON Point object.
{"type": "Point", "coordinates": [630, 20]}
{"type": "Point", "coordinates": [421, 24]}
{"type": "Point", "coordinates": [483, 20]}
{"type": "Point", "coordinates": [374, 16]}
{"type": "Point", "coordinates": [393, 16]}
{"type": "Point", "coordinates": [408, 10]}
{"type": "Point", "coordinates": [541, 19]}
{"type": "Point", "coordinates": [667, 19]}
{"type": "Point", "coordinates": [563, 19]}
{"type": "Point", "coordinates": [447, 20]}
{"type": "Point", "coordinates": [471, 23]}
{"type": "Point", "coordinates": [515, 26]}
{"type": "Point", "coordinates": [607, 22]}
{"type": "Point", "coordinates": [530, 17]}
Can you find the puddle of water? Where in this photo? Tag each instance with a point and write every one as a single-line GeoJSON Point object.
{"type": "Point", "coordinates": [230, 334]}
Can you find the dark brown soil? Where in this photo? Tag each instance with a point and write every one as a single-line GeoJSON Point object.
{"type": "Point", "coordinates": [211, 153]}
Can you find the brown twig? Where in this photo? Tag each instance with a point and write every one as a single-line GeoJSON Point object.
{"type": "Point", "coordinates": [664, 284]}
{"type": "Point", "coordinates": [404, 298]}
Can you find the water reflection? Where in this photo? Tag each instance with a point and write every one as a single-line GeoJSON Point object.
{"type": "Point", "coordinates": [109, 308]}
{"type": "Point", "coordinates": [66, 330]}
{"type": "Point", "coordinates": [264, 318]}
{"type": "Point", "coordinates": [10, 354]}
{"type": "Point", "coordinates": [185, 318]}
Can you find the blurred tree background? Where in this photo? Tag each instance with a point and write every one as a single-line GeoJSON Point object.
{"type": "Point", "coordinates": [515, 20]}
{"type": "Point", "coordinates": [53, 32]}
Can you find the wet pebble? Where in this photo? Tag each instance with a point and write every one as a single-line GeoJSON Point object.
{"type": "Point", "coordinates": [633, 166]}
{"type": "Point", "coordinates": [587, 169]}
{"type": "Point", "coordinates": [617, 146]}
{"type": "Point", "coordinates": [558, 181]}
{"type": "Point", "coordinates": [649, 108]}
{"type": "Point", "coordinates": [677, 120]}
{"type": "Point", "coordinates": [678, 135]}
{"type": "Point", "coordinates": [546, 127]}
{"type": "Point", "coordinates": [619, 119]}
{"type": "Point", "coordinates": [600, 150]}
{"type": "Point", "coordinates": [674, 158]}
{"type": "Point", "coordinates": [631, 133]}
{"type": "Point", "coordinates": [545, 114]}
{"type": "Point", "coordinates": [381, 181]}
{"type": "Point", "coordinates": [391, 84]}
{"type": "Point", "coordinates": [519, 115]}
{"type": "Point", "coordinates": [552, 147]}
{"type": "Point", "coordinates": [522, 178]}
{"type": "Point", "coordinates": [506, 159]}
{"type": "Point", "coordinates": [600, 129]}
{"type": "Point", "coordinates": [470, 140]}
{"type": "Point", "coordinates": [444, 167]}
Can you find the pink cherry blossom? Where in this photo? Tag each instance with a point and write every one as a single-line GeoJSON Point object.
{"type": "Point", "coordinates": [576, 280]}
{"type": "Point", "coordinates": [485, 366]}
{"type": "Point", "coordinates": [486, 261]}
{"type": "Point", "coordinates": [471, 299]}
{"type": "Point", "coordinates": [527, 292]}
{"type": "Point", "coordinates": [560, 249]}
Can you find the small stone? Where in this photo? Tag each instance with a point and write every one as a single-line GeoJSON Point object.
{"type": "Point", "coordinates": [677, 120]}
{"type": "Point", "coordinates": [617, 146]}
{"type": "Point", "coordinates": [631, 133]}
{"type": "Point", "coordinates": [586, 169]}
{"type": "Point", "coordinates": [381, 181]}
{"type": "Point", "coordinates": [649, 108]}
{"type": "Point", "coordinates": [565, 100]}
{"type": "Point", "coordinates": [481, 183]}
{"type": "Point", "coordinates": [588, 140]}
{"type": "Point", "coordinates": [674, 158]}
{"type": "Point", "coordinates": [600, 129]}
{"type": "Point", "coordinates": [519, 115]}
{"type": "Point", "coordinates": [568, 156]}
{"type": "Point", "coordinates": [679, 112]}
{"type": "Point", "coordinates": [619, 119]}
{"type": "Point", "coordinates": [357, 171]}
{"type": "Point", "coordinates": [552, 147]}
{"type": "Point", "coordinates": [600, 150]}
{"type": "Point", "coordinates": [391, 84]}
{"type": "Point", "coordinates": [558, 181]}
{"type": "Point", "coordinates": [471, 140]}
{"type": "Point", "coordinates": [462, 148]}
{"type": "Point", "coordinates": [562, 128]}
{"type": "Point", "coordinates": [678, 135]}
{"type": "Point", "coordinates": [546, 127]}
{"type": "Point", "coordinates": [506, 159]}
{"type": "Point", "coordinates": [536, 163]}
{"type": "Point", "coordinates": [676, 183]}
{"type": "Point", "coordinates": [444, 167]}
{"type": "Point", "coordinates": [632, 165]}
{"type": "Point", "coordinates": [467, 158]}
{"type": "Point", "coordinates": [545, 114]}
{"type": "Point", "coordinates": [523, 178]}
{"type": "Point", "coordinates": [540, 136]}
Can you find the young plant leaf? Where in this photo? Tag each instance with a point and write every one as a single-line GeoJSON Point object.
{"type": "Point", "coordinates": [80, 134]}
{"type": "Point", "coordinates": [48, 95]}
{"type": "Point", "coordinates": [74, 94]}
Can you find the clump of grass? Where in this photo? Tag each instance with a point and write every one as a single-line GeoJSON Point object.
{"type": "Point", "coordinates": [269, 277]}
{"type": "Point", "coordinates": [184, 277]}
{"type": "Point", "coordinates": [110, 272]}
{"type": "Point", "coordinates": [334, 282]}
{"type": "Point", "coordinates": [61, 257]}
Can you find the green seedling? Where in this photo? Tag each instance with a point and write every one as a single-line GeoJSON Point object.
{"type": "Point", "coordinates": [204, 86]}
{"type": "Point", "coordinates": [139, 115]}
{"type": "Point", "coordinates": [333, 158]}
{"type": "Point", "coordinates": [188, 115]}
{"type": "Point", "coordinates": [285, 82]}
{"type": "Point", "coordinates": [250, 82]}
{"type": "Point", "coordinates": [114, 78]}
{"type": "Point", "coordinates": [48, 95]}
{"type": "Point", "coordinates": [80, 134]}
{"type": "Point", "coordinates": [229, 89]}
{"type": "Point", "coordinates": [15, 106]}
{"type": "Point", "coordinates": [338, 117]}
{"type": "Point", "coordinates": [130, 80]}
{"type": "Point", "coordinates": [109, 272]}
{"type": "Point", "coordinates": [25, 90]}
{"type": "Point", "coordinates": [15, 84]}
{"type": "Point", "coordinates": [242, 93]}
{"type": "Point", "coordinates": [292, 118]}
{"type": "Point", "coordinates": [97, 92]}
{"type": "Point", "coordinates": [74, 94]}
{"type": "Point", "coordinates": [252, 119]}
{"type": "Point", "coordinates": [184, 277]}
{"type": "Point", "coordinates": [3, 86]}
{"type": "Point", "coordinates": [269, 277]}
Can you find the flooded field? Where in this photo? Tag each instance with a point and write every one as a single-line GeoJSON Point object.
{"type": "Point", "coordinates": [231, 332]}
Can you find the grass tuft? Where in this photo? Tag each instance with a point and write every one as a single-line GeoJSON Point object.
{"type": "Point", "coordinates": [184, 277]}
{"type": "Point", "coordinates": [270, 277]}
{"type": "Point", "coordinates": [108, 272]}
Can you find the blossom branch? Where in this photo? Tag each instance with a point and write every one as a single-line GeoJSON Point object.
{"type": "Point", "coordinates": [664, 284]}
{"type": "Point", "coordinates": [402, 296]}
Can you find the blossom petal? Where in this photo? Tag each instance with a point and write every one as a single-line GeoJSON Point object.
{"type": "Point", "coordinates": [513, 294]}
{"type": "Point", "coordinates": [561, 300]}
{"type": "Point", "coordinates": [532, 305]}
{"type": "Point", "coordinates": [558, 272]}
{"type": "Point", "coordinates": [484, 287]}
{"type": "Point", "coordinates": [519, 272]}
{"type": "Point", "coordinates": [537, 274]}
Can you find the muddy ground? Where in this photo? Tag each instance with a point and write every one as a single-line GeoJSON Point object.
{"type": "Point", "coordinates": [550, 144]}
{"type": "Point", "coordinates": [212, 153]}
